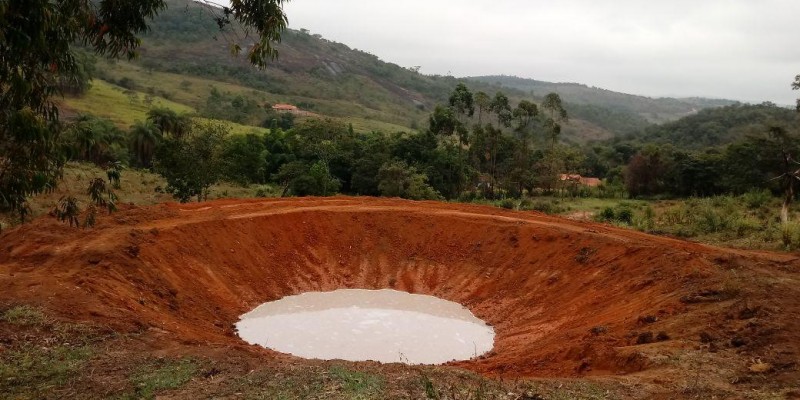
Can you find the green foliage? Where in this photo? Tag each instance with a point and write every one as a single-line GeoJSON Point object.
{"type": "Point", "coordinates": [161, 375]}
{"type": "Point", "coordinates": [356, 384]}
{"type": "Point", "coordinates": [755, 199]}
{"type": "Point", "coordinates": [397, 179]}
{"type": "Point", "coordinates": [245, 158]}
{"type": "Point", "coordinates": [101, 195]}
{"type": "Point", "coordinates": [68, 210]}
{"type": "Point", "coordinates": [24, 316]}
{"type": "Point", "coordinates": [31, 156]}
{"type": "Point", "coordinates": [39, 59]}
{"type": "Point", "coordinates": [36, 371]}
{"type": "Point", "coordinates": [143, 139]}
{"type": "Point", "coordinates": [192, 163]}
{"type": "Point", "coordinates": [97, 140]}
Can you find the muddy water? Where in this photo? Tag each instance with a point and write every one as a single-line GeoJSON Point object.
{"type": "Point", "coordinates": [360, 325]}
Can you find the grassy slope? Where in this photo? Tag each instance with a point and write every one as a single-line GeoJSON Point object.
{"type": "Point", "coordinates": [110, 101]}
{"type": "Point", "coordinates": [181, 58]}
{"type": "Point", "coordinates": [137, 187]}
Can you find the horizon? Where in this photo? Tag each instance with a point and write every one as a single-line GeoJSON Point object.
{"type": "Point", "coordinates": [721, 49]}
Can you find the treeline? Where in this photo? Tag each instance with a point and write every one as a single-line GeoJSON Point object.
{"type": "Point", "coordinates": [475, 146]}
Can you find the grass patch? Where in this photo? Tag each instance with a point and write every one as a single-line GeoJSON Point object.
{"type": "Point", "coordinates": [24, 315]}
{"type": "Point", "coordinates": [34, 372]}
{"type": "Point", "coordinates": [161, 375]}
{"type": "Point", "coordinates": [356, 384]}
{"type": "Point", "coordinates": [119, 105]}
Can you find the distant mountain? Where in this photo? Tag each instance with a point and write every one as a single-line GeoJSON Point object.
{"type": "Point", "coordinates": [640, 109]}
{"type": "Point", "coordinates": [332, 79]}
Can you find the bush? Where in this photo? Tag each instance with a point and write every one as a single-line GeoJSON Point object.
{"type": "Point", "coordinates": [508, 204]}
{"type": "Point", "coordinates": [624, 215]}
{"type": "Point", "coordinates": [607, 214]}
{"type": "Point", "coordinates": [756, 198]}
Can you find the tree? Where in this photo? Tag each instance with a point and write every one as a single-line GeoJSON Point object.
{"type": "Point", "coordinates": [398, 179]}
{"type": "Point", "coordinates": [790, 168]}
{"type": "Point", "coordinates": [245, 159]}
{"type": "Point", "coordinates": [796, 86]}
{"type": "Point", "coordinates": [553, 105]}
{"type": "Point", "coordinates": [193, 163]}
{"type": "Point", "coordinates": [501, 107]}
{"type": "Point", "coordinates": [168, 121]}
{"type": "Point", "coordinates": [37, 39]}
{"type": "Point", "coordinates": [482, 101]}
{"type": "Point", "coordinates": [143, 139]}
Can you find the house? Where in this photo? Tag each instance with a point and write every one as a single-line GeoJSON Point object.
{"type": "Point", "coordinates": [580, 180]}
{"type": "Point", "coordinates": [285, 108]}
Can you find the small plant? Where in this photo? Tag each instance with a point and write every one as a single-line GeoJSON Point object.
{"type": "Point", "coordinates": [430, 390]}
{"type": "Point", "coordinates": [756, 198]}
{"type": "Point", "coordinates": [584, 254]}
{"type": "Point", "coordinates": [67, 210]}
{"type": "Point", "coordinates": [162, 375]}
{"type": "Point", "coordinates": [114, 173]}
{"type": "Point", "coordinates": [24, 315]}
{"type": "Point", "coordinates": [508, 204]}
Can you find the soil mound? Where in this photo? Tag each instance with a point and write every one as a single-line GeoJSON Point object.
{"type": "Point", "coordinates": [565, 298]}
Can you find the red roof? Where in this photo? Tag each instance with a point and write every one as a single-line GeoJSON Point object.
{"type": "Point", "coordinates": [284, 107]}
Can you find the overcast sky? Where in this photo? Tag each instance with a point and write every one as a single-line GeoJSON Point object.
{"type": "Point", "coordinates": [738, 49]}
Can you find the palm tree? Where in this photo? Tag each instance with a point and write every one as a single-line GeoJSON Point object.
{"type": "Point", "coordinates": [169, 122]}
{"type": "Point", "coordinates": [144, 137]}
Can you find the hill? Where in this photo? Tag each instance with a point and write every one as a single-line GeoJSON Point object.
{"type": "Point", "coordinates": [183, 61]}
{"type": "Point", "coordinates": [719, 126]}
{"type": "Point", "coordinates": [622, 109]}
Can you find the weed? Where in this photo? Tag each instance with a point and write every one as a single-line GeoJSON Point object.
{"type": "Point", "coordinates": [356, 384]}
{"type": "Point", "coordinates": [584, 254]}
{"type": "Point", "coordinates": [35, 371]}
{"type": "Point", "coordinates": [430, 390]}
{"type": "Point", "coordinates": [161, 375]}
{"type": "Point", "coordinates": [24, 315]}
{"type": "Point", "coordinates": [756, 198]}
{"type": "Point", "coordinates": [508, 204]}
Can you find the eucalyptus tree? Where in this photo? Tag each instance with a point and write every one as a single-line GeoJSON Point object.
{"type": "Point", "coordinates": [553, 105]}
{"type": "Point", "coordinates": [38, 41]}
{"type": "Point", "coordinates": [482, 102]}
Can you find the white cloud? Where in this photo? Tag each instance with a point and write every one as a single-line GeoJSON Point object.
{"type": "Point", "coordinates": [739, 49]}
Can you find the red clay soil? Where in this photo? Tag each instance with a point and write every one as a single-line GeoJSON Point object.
{"type": "Point", "coordinates": [566, 298]}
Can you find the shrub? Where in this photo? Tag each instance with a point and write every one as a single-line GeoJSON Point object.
{"type": "Point", "coordinates": [607, 214]}
{"type": "Point", "coordinates": [508, 204]}
{"type": "Point", "coordinates": [624, 215]}
{"type": "Point", "coordinates": [756, 198]}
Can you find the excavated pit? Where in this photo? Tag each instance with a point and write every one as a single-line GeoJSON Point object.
{"type": "Point", "coordinates": [385, 325]}
{"type": "Point", "coordinates": [563, 297]}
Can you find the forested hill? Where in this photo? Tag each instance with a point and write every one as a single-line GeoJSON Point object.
{"type": "Point", "coordinates": [638, 109]}
{"type": "Point", "coordinates": [319, 75]}
{"type": "Point", "coordinates": [719, 126]}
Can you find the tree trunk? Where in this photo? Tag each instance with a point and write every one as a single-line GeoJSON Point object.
{"type": "Point", "coordinates": [786, 202]}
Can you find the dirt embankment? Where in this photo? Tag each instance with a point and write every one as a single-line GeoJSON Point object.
{"type": "Point", "coordinates": [566, 298]}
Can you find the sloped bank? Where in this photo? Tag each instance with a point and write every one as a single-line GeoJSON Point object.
{"type": "Point", "coordinates": [565, 298]}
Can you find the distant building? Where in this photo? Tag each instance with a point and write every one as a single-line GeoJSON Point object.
{"type": "Point", "coordinates": [580, 180]}
{"type": "Point", "coordinates": [286, 108]}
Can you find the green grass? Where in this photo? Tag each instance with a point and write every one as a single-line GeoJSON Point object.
{"type": "Point", "coordinates": [33, 372]}
{"type": "Point", "coordinates": [161, 375]}
{"type": "Point", "coordinates": [110, 101]}
{"type": "Point", "coordinates": [193, 91]}
{"type": "Point", "coordinates": [24, 315]}
{"type": "Point", "coordinates": [356, 384]}
{"type": "Point", "coordinates": [137, 187]}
